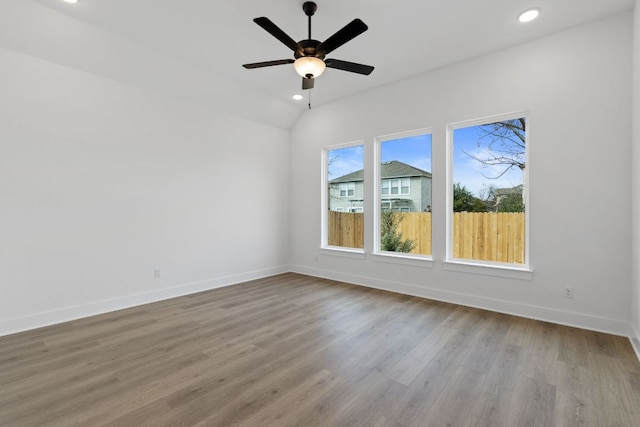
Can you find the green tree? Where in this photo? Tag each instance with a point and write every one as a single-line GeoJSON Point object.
{"type": "Point", "coordinates": [511, 202]}
{"type": "Point", "coordinates": [465, 201]}
{"type": "Point", "coordinates": [390, 237]}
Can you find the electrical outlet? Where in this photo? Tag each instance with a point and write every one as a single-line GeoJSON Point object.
{"type": "Point", "coordinates": [568, 292]}
{"type": "Point", "coordinates": [156, 273]}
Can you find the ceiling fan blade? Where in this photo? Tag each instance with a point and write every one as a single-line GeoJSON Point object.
{"type": "Point", "coordinates": [268, 63]}
{"type": "Point", "coordinates": [349, 66]}
{"type": "Point", "coordinates": [307, 83]}
{"type": "Point", "coordinates": [276, 32]}
{"type": "Point", "coordinates": [348, 32]}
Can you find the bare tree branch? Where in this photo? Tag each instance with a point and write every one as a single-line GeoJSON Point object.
{"type": "Point", "coordinates": [505, 148]}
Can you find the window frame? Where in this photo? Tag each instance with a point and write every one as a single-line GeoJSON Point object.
{"type": "Point", "coordinates": [324, 205]}
{"type": "Point", "coordinates": [512, 270]}
{"type": "Point", "coordinates": [378, 254]}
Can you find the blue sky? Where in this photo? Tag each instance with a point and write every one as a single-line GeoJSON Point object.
{"type": "Point", "coordinates": [416, 151]}
{"type": "Point", "coordinates": [473, 174]}
{"type": "Point", "coordinates": [413, 150]}
{"type": "Point", "coordinates": [345, 160]}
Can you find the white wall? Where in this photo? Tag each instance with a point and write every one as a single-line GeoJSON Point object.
{"type": "Point", "coordinates": [635, 261]}
{"type": "Point", "coordinates": [43, 32]}
{"type": "Point", "coordinates": [575, 85]}
{"type": "Point", "coordinates": [102, 182]}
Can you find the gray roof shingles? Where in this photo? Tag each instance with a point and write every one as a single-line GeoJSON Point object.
{"type": "Point", "coordinates": [392, 169]}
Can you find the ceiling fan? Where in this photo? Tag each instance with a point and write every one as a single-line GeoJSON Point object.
{"type": "Point", "coordinates": [310, 54]}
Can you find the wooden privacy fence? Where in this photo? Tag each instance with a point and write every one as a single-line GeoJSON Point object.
{"type": "Point", "coordinates": [346, 229]}
{"type": "Point", "coordinates": [489, 236]}
{"type": "Point", "coordinates": [486, 236]}
{"type": "Point", "coordinates": [417, 227]}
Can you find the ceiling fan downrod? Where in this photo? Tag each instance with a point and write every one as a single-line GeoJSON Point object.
{"type": "Point", "coordinates": [309, 9]}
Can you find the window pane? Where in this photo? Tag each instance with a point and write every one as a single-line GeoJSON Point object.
{"type": "Point", "coordinates": [345, 180]}
{"type": "Point", "coordinates": [489, 192]}
{"type": "Point", "coordinates": [405, 187]}
{"type": "Point", "coordinates": [385, 186]}
{"type": "Point", "coordinates": [405, 210]}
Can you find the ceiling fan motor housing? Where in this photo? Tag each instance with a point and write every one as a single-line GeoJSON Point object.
{"type": "Point", "coordinates": [309, 47]}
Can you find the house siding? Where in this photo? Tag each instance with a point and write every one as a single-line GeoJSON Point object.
{"type": "Point", "coordinates": [419, 197]}
{"type": "Point", "coordinates": [426, 194]}
{"type": "Point", "coordinates": [344, 204]}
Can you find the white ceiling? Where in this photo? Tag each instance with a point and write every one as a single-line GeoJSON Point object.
{"type": "Point", "coordinates": [405, 37]}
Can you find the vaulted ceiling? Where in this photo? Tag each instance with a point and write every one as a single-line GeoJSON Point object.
{"type": "Point", "coordinates": [211, 39]}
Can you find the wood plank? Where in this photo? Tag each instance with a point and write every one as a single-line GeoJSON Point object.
{"type": "Point", "coordinates": [522, 402]}
{"type": "Point", "coordinates": [294, 350]}
{"type": "Point", "coordinates": [285, 410]}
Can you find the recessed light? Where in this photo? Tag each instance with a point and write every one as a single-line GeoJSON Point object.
{"type": "Point", "coordinates": [70, 1]}
{"type": "Point", "coordinates": [529, 14]}
{"type": "Point", "coordinates": [297, 97]}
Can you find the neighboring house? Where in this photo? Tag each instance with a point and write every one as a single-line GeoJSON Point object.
{"type": "Point", "coordinates": [403, 188]}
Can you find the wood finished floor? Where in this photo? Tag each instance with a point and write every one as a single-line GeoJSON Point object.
{"type": "Point", "coordinates": [298, 351]}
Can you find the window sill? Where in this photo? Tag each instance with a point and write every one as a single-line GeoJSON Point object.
{"type": "Point", "coordinates": [412, 260]}
{"type": "Point", "coordinates": [342, 252]}
{"type": "Point", "coordinates": [522, 273]}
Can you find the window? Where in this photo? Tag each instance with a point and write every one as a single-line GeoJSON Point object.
{"type": "Point", "coordinates": [395, 186]}
{"type": "Point", "coordinates": [404, 174]}
{"type": "Point", "coordinates": [488, 191]}
{"type": "Point", "coordinates": [386, 185]}
{"type": "Point", "coordinates": [347, 189]}
{"type": "Point", "coordinates": [486, 207]}
{"type": "Point", "coordinates": [344, 210]}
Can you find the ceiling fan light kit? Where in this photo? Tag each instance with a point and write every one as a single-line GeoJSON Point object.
{"type": "Point", "coordinates": [309, 66]}
{"type": "Point", "coordinates": [310, 54]}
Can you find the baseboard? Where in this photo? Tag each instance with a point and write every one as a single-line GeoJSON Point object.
{"type": "Point", "coordinates": [616, 327]}
{"type": "Point", "coordinates": [10, 326]}
{"type": "Point", "coordinates": [635, 341]}
{"type": "Point", "coordinates": [579, 320]}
